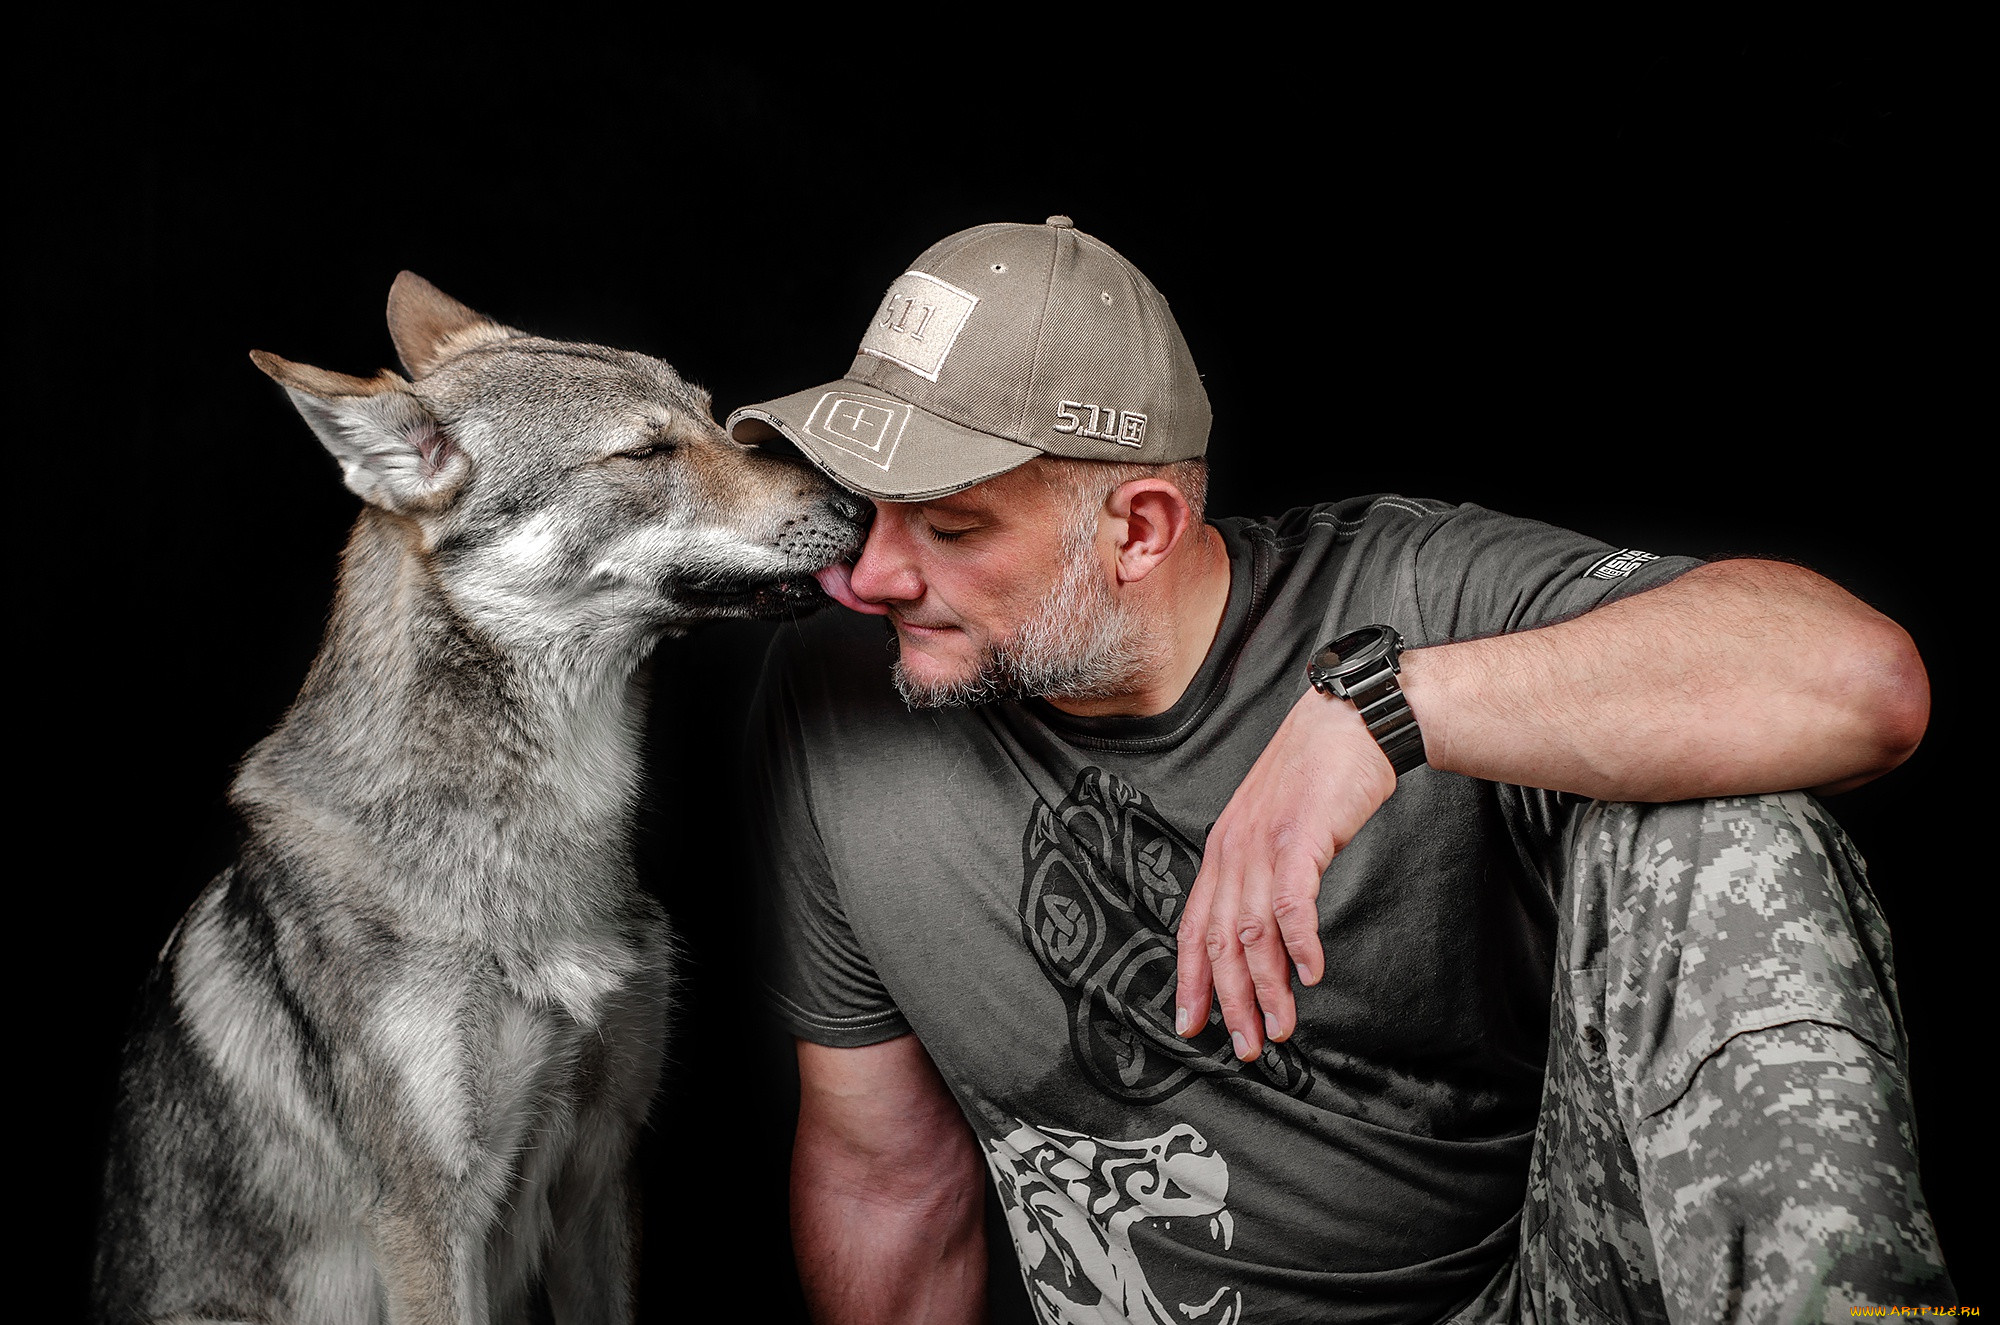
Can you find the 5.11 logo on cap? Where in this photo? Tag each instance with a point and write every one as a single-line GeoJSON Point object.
{"type": "Point", "coordinates": [919, 322]}
{"type": "Point", "coordinates": [1105, 424]}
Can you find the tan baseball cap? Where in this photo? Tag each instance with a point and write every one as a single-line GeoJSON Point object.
{"type": "Point", "coordinates": [999, 344]}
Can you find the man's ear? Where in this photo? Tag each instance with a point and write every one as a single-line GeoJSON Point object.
{"type": "Point", "coordinates": [392, 452]}
{"type": "Point", "coordinates": [1156, 517]}
{"type": "Point", "coordinates": [429, 326]}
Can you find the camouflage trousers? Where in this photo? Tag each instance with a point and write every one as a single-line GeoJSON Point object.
{"type": "Point", "coordinates": [1725, 1131]}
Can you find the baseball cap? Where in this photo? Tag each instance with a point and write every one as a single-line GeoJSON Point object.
{"type": "Point", "coordinates": [999, 344]}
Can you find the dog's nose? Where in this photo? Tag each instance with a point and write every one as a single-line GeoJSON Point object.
{"type": "Point", "coordinates": [850, 507]}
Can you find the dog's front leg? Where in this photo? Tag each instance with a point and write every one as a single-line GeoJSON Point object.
{"type": "Point", "coordinates": [436, 1125]}
{"type": "Point", "coordinates": [593, 1263]}
{"type": "Point", "coordinates": [433, 1271]}
{"type": "Point", "coordinates": [593, 1259]}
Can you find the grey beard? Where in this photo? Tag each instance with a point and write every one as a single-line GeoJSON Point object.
{"type": "Point", "coordinates": [1082, 644]}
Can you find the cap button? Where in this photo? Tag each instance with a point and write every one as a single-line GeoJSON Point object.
{"type": "Point", "coordinates": [1060, 223]}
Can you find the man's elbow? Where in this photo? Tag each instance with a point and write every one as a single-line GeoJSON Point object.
{"type": "Point", "coordinates": [1885, 695]}
{"type": "Point", "coordinates": [922, 1173]}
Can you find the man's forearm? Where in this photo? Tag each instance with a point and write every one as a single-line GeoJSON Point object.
{"type": "Point", "coordinates": [867, 1255]}
{"type": "Point", "coordinates": [888, 1190]}
{"type": "Point", "coordinates": [1741, 676]}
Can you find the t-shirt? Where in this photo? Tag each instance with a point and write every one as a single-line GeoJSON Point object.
{"type": "Point", "coordinates": [1005, 882]}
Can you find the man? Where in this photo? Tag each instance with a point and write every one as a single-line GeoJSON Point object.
{"type": "Point", "coordinates": [995, 867]}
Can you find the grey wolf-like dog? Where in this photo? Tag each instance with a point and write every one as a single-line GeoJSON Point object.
{"type": "Point", "coordinates": [392, 1062]}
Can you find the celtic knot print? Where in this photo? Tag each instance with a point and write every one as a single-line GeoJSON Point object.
{"type": "Point", "coordinates": [1105, 880]}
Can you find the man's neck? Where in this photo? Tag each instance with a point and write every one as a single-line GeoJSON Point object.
{"type": "Point", "coordinates": [1186, 597]}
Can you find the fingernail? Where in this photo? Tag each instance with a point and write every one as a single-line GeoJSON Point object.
{"type": "Point", "coordinates": [1304, 979]}
{"type": "Point", "coordinates": [1180, 1021]}
{"type": "Point", "coordinates": [1271, 1027]}
{"type": "Point", "coordinates": [1241, 1043]}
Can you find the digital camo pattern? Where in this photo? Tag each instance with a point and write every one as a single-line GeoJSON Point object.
{"type": "Point", "coordinates": [1072, 1202]}
{"type": "Point", "coordinates": [1104, 881]}
{"type": "Point", "coordinates": [1726, 1129]}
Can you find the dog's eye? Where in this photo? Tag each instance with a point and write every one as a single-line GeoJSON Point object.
{"type": "Point", "coordinates": [649, 451]}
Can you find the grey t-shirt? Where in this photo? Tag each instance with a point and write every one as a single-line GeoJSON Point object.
{"type": "Point", "coordinates": [1005, 882]}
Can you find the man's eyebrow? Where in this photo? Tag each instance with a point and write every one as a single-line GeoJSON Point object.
{"type": "Point", "coordinates": [957, 503]}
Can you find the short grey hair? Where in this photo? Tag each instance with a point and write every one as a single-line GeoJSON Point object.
{"type": "Point", "coordinates": [1092, 481]}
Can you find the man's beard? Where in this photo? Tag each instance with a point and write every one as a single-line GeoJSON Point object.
{"type": "Point", "coordinates": [1082, 644]}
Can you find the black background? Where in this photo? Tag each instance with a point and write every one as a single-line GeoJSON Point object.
{"type": "Point", "coordinates": [1685, 290]}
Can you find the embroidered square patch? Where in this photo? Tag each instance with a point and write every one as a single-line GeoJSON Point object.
{"type": "Point", "coordinates": [918, 323]}
{"type": "Point", "coordinates": [864, 426]}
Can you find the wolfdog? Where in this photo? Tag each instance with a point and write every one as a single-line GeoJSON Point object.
{"type": "Point", "coordinates": [391, 1064]}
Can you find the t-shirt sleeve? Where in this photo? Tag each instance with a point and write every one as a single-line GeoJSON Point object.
{"type": "Point", "coordinates": [1478, 572]}
{"type": "Point", "coordinates": [817, 979]}
{"type": "Point", "coordinates": [1472, 572]}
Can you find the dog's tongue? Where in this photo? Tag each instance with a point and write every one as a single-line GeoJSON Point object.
{"type": "Point", "coordinates": [836, 580]}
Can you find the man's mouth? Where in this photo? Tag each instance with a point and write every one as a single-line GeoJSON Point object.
{"type": "Point", "coordinates": [837, 581]}
{"type": "Point", "coordinates": [920, 629]}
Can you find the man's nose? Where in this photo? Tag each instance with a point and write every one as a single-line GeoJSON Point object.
{"type": "Point", "coordinates": [885, 572]}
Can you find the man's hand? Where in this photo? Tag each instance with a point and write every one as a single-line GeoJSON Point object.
{"type": "Point", "coordinates": [1251, 919]}
{"type": "Point", "coordinates": [1738, 677]}
{"type": "Point", "coordinates": [888, 1190]}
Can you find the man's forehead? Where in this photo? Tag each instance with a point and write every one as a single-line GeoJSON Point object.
{"type": "Point", "coordinates": [977, 499]}
{"type": "Point", "coordinates": [1021, 491]}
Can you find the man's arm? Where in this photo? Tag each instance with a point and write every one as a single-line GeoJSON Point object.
{"type": "Point", "coordinates": [1740, 676]}
{"type": "Point", "coordinates": [888, 1202]}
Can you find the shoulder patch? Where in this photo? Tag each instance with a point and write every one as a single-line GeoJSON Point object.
{"type": "Point", "coordinates": [1620, 564]}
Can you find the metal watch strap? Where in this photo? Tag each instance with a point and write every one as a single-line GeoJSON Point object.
{"type": "Point", "coordinates": [1386, 709]}
{"type": "Point", "coordinates": [1361, 667]}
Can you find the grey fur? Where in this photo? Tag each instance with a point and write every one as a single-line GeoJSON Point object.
{"type": "Point", "coordinates": [391, 1064]}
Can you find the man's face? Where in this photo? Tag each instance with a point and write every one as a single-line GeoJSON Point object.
{"type": "Point", "coordinates": [999, 591]}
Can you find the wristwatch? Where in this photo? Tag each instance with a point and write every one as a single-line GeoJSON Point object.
{"type": "Point", "coordinates": [1361, 667]}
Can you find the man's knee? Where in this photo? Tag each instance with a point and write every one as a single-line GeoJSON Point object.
{"type": "Point", "coordinates": [1711, 919]}
{"type": "Point", "coordinates": [1658, 868]}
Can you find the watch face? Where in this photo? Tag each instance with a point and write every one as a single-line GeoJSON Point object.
{"type": "Point", "coordinates": [1355, 656]}
{"type": "Point", "coordinates": [1358, 648]}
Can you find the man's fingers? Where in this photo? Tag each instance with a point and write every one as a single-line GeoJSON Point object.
{"type": "Point", "coordinates": [1297, 911]}
{"type": "Point", "coordinates": [1234, 988]}
{"type": "Point", "coordinates": [1213, 905]}
{"type": "Point", "coordinates": [1192, 991]}
{"type": "Point", "coordinates": [1240, 933]}
{"type": "Point", "coordinates": [1270, 973]}
{"type": "Point", "coordinates": [1255, 929]}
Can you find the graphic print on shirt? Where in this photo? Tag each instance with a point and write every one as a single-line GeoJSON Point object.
{"type": "Point", "coordinates": [1105, 881]}
{"type": "Point", "coordinates": [1072, 1201]}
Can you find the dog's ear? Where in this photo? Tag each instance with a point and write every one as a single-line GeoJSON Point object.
{"type": "Point", "coordinates": [429, 326]}
{"type": "Point", "coordinates": [392, 452]}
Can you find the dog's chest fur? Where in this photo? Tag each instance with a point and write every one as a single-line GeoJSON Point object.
{"type": "Point", "coordinates": [415, 979]}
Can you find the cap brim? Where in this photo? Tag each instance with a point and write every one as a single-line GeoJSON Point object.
{"type": "Point", "coordinates": [873, 444]}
